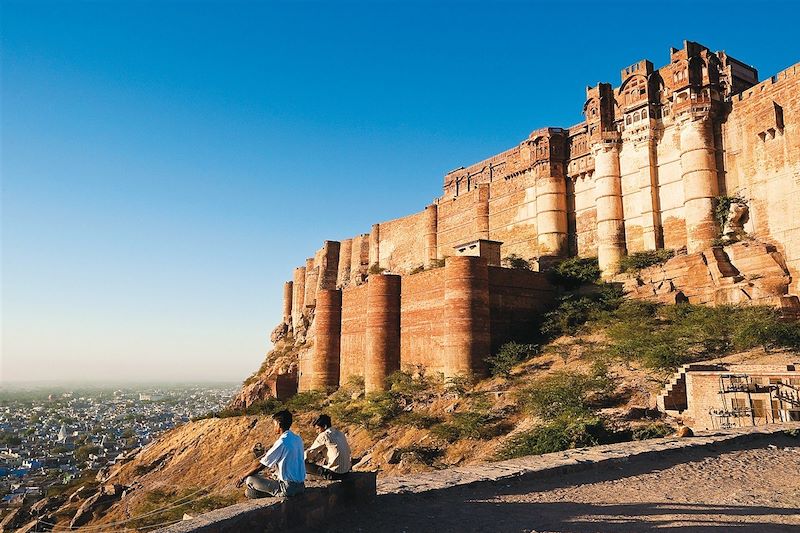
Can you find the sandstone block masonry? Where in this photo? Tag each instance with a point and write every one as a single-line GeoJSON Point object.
{"type": "Point", "coordinates": [644, 170]}
{"type": "Point", "coordinates": [444, 319]}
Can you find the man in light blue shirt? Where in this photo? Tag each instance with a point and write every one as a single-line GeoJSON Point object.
{"type": "Point", "coordinates": [286, 457]}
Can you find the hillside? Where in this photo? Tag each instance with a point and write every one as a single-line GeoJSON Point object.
{"type": "Point", "coordinates": [592, 379]}
{"type": "Point", "coordinates": [421, 425]}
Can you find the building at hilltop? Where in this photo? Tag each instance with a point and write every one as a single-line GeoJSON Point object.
{"type": "Point", "coordinates": [644, 171]}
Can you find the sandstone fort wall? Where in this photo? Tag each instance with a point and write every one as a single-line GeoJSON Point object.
{"type": "Point", "coordinates": [762, 162]}
{"type": "Point", "coordinates": [644, 170]}
{"type": "Point", "coordinates": [422, 320]}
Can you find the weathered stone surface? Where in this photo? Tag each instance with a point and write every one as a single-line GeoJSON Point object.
{"type": "Point", "coordinates": [747, 272]}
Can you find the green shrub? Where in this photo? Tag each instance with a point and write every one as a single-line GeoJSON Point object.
{"type": "Point", "coordinates": [566, 393]}
{"type": "Point", "coordinates": [763, 326]}
{"type": "Point", "coordinates": [669, 336]}
{"type": "Point", "coordinates": [304, 402]}
{"type": "Point", "coordinates": [424, 454]}
{"type": "Point", "coordinates": [575, 271]}
{"type": "Point", "coordinates": [407, 384]}
{"type": "Point", "coordinates": [417, 420]}
{"type": "Point", "coordinates": [82, 453]}
{"type": "Point", "coordinates": [373, 411]}
{"type": "Point", "coordinates": [573, 311]}
{"type": "Point", "coordinates": [515, 261]}
{"type": "Point", "coordinates": [561, 434]}
{"type": "Point", "coordinates": [656, 430]}
{"type": "Point", "coordinates": [459, 384]}
{"type": "Point", "coordinates": [639, 260]}
{"type": "Point", "coordinates": [508, 356]}
{"type": "Point", "coordinates": [467, 425]}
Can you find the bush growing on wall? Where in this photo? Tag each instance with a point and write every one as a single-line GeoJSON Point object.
{"type": "Point", "coordinates": [375, 268]}
{"type": "Point", "coordinates": [722, 208]}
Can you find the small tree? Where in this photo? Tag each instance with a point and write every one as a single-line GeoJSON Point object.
{"type": "Point", "coordinates": [508, 356]}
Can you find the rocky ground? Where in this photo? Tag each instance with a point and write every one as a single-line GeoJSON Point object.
{"type": "Point", "coordinates": [740, 487]}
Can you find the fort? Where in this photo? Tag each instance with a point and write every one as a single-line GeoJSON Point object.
{"type": "Point", "coordinates": [645, 170]}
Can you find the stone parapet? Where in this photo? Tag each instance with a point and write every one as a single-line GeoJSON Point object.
{"type": "Point", "coordinates": [320, 502]}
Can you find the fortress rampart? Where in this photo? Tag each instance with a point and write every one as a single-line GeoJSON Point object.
{"type": "Point", "coordinates": [445, 319]}
{"type": "Point", "coordinates": [642, 171]}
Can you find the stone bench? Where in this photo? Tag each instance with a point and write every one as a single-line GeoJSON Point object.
{"type": "Point", "coordinates": [320, 501]}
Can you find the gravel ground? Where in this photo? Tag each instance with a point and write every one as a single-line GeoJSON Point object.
{"type": "Point", "coordinates": [735, 487]}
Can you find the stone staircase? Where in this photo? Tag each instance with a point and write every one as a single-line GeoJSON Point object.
{"type": "Point", "coordinates": [673, 400]}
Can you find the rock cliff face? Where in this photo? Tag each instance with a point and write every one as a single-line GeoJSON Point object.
{"type": "Point", "coordinates": [278, 374]}
{"type": "Point", "coordinates": [747, 272]}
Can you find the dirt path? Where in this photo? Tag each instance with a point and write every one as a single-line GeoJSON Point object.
{"type": "Point", "coordinates": [745, 487]}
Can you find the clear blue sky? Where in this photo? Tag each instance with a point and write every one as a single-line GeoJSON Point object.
{"type": "Point", "coordinates": [166, 165]}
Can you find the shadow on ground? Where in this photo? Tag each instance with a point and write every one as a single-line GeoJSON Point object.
{"type": "Point", "coordinates": [477, 507]}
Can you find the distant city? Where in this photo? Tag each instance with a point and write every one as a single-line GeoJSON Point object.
{"type": "Point", "coordinates": [49, 436]}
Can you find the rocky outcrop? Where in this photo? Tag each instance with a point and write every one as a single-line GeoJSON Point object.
{"type": "Point", "coordinates": [96, 505]}
{"type": "Point", "coordinates": [747, 272]}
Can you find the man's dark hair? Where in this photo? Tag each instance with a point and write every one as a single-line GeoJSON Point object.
{"type": "Point", "coordinates": [322, 421]}
{"type": "Point", "coordinates": [284, 419]}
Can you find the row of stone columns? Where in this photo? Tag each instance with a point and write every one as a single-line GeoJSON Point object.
{"type": "Point", "coordinates": [700, 186]}
{"type": "Point", "coordinates": [466, 327]}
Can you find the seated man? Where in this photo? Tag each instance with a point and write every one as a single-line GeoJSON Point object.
{"type": "Point", "coordinates": [329, 456]}
{"type": "Point", "coordinates": [286, 457]}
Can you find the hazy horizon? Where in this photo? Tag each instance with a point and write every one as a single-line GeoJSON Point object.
{"type": "Point", "coordinates": [166, 165]}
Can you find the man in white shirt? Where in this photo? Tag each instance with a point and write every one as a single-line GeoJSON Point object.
{"type": "Point", "coordinates": [285, 457]}
{"type": "Point", "coordinates": [329, 455]}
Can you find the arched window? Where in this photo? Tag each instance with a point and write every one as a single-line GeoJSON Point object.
{"type": "Point", "coordinates": [628, 119]}
{"type": "Point", "coordinates": [636, 117]}
{"type": "Point", "coordinates": [644, 113]}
